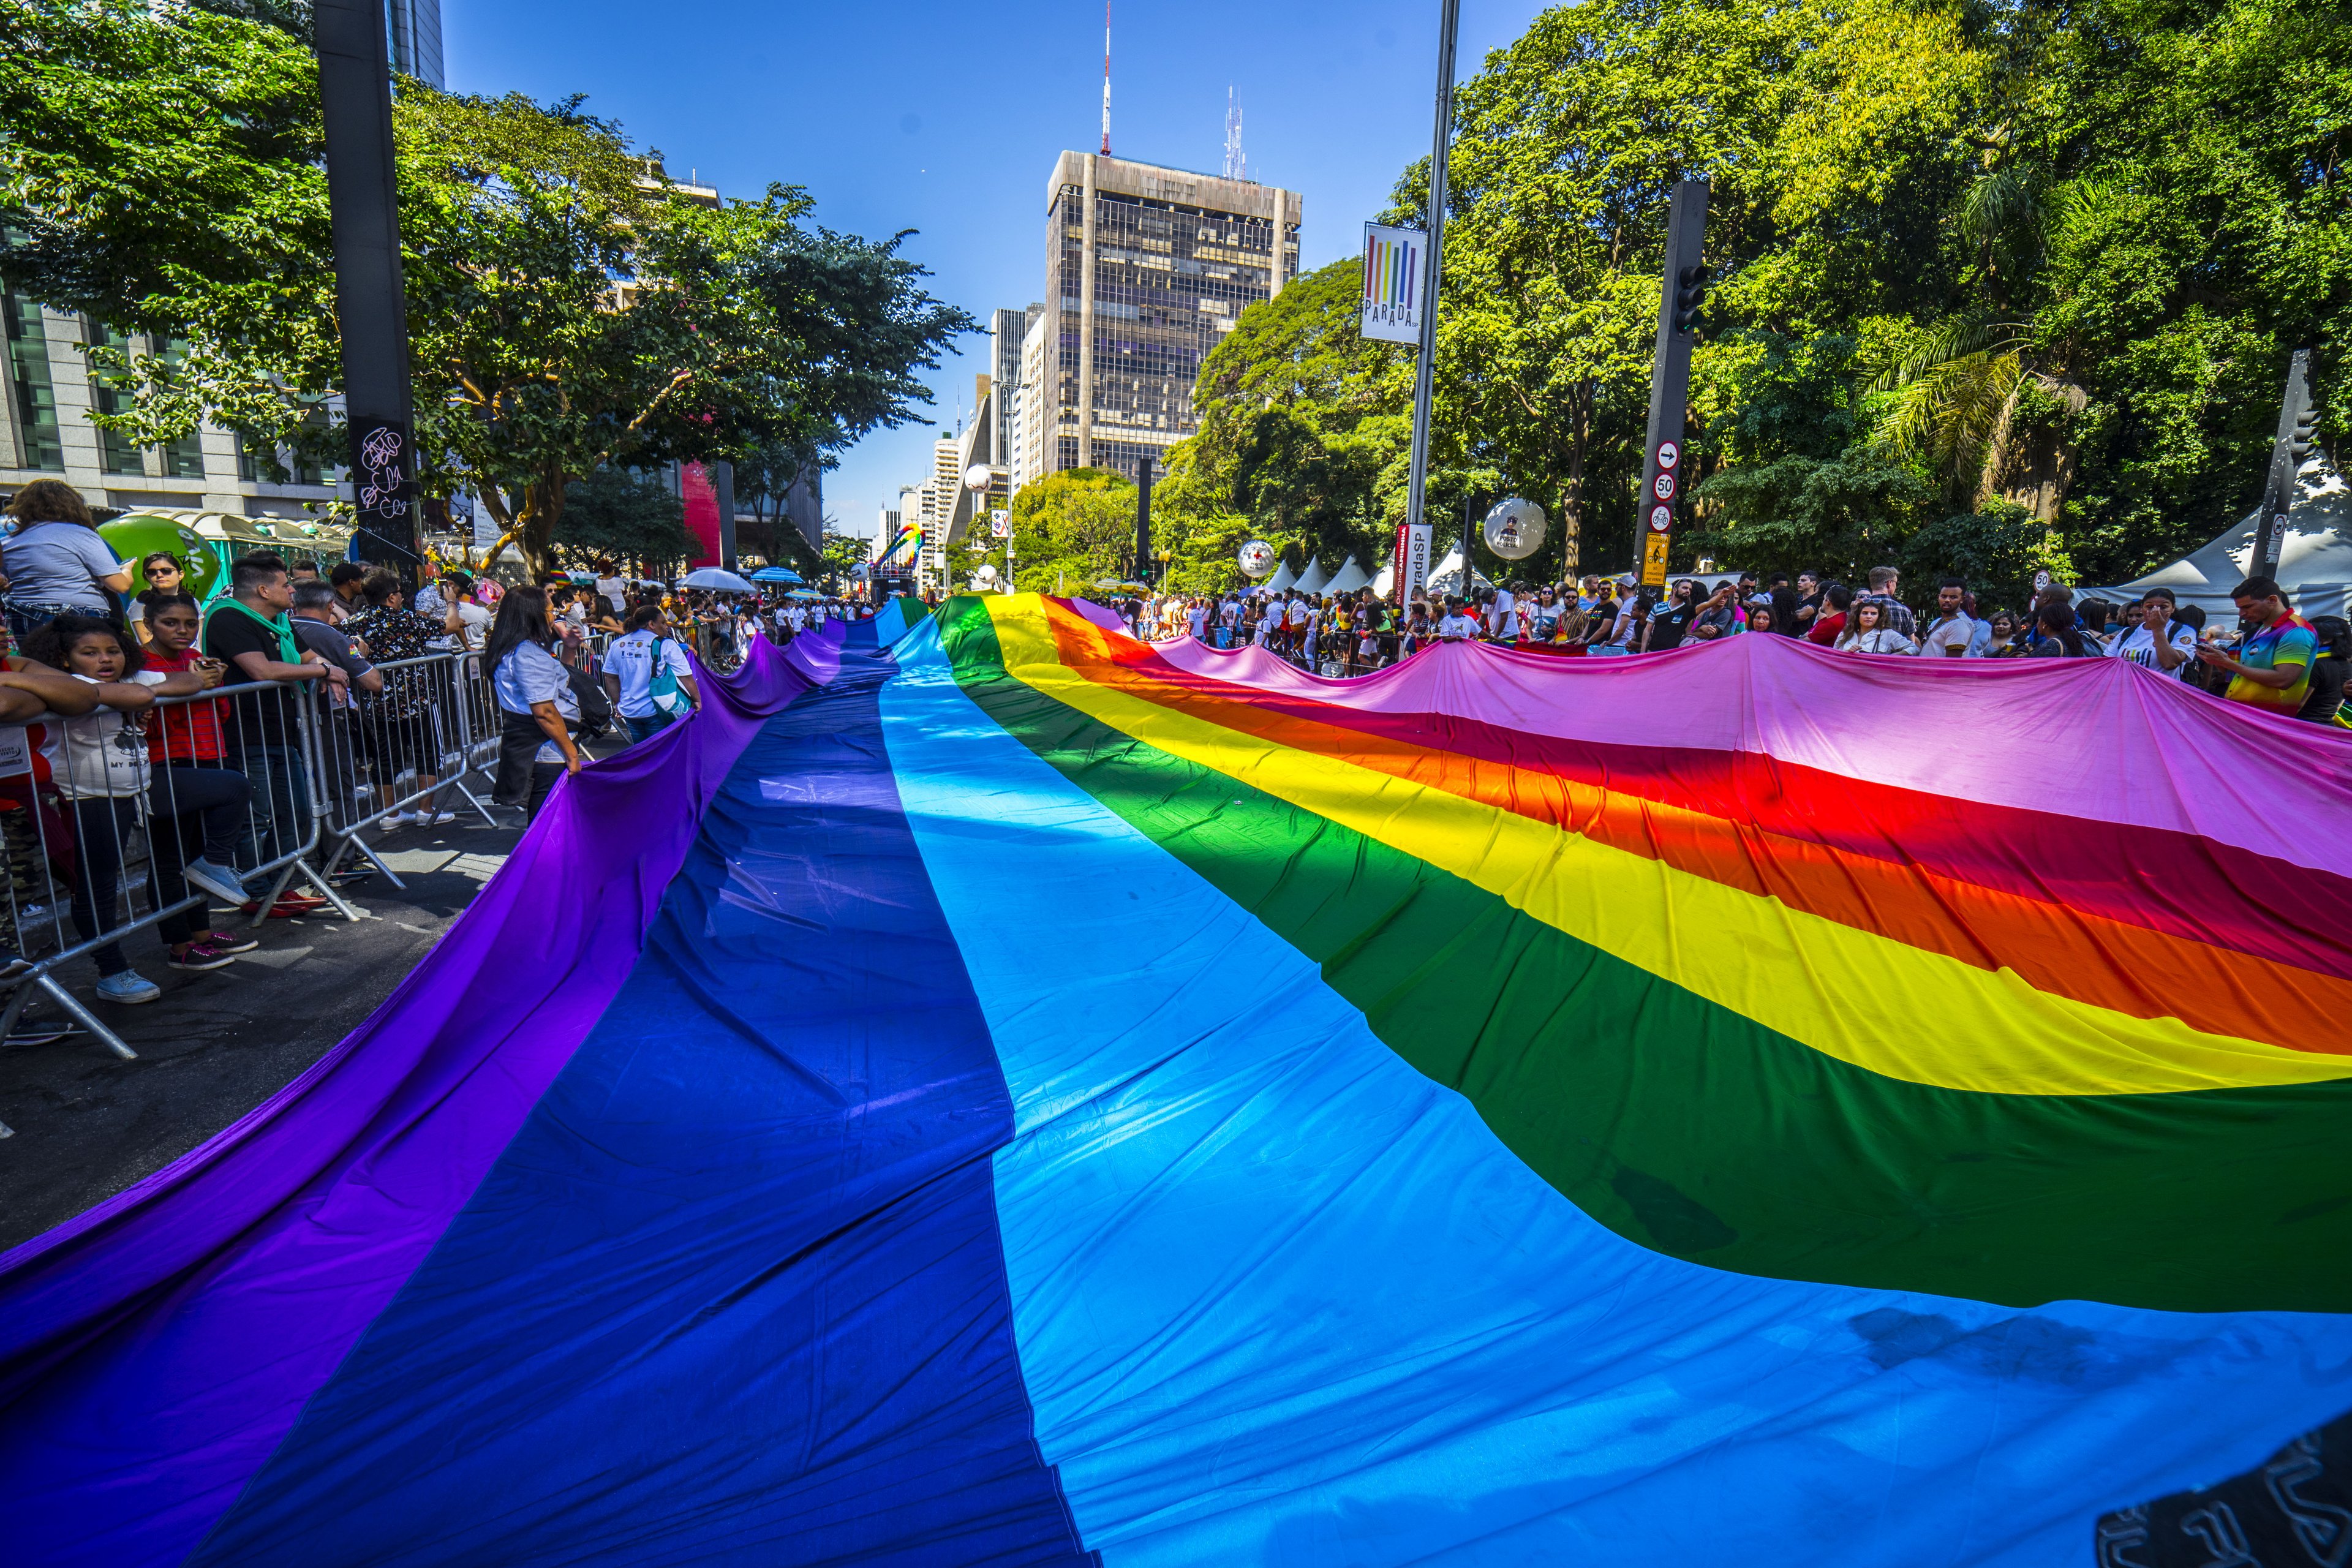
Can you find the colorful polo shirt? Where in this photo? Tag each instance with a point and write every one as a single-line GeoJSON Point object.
{"type": "Point", "coordinates": [2289, 640]}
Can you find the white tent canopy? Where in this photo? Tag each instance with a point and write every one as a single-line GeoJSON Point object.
{"type": "Point", "coordinates": [1347, 579]}
{"type": "Point", "coordinates": [2314, 561]}
{"type": "Point", "coordinates": [1312, 580]}
{"type": "Point", "coordinates": [1447, 577]}
{"type": "Point", "coordinates": [1280, 582]}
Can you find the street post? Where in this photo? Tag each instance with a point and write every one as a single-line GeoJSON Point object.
{"type": "Point", "coordinates": [1441, 142]}
{"type": "Point", "coordinates": [1684, 291]}
{"type": "Point", "coordinates": [371, 308]}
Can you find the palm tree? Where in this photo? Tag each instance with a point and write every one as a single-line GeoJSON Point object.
{"type": "Point", "coordinates": [1957, 393]}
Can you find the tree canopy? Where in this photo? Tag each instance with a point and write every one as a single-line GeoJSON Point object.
{"type": "Point", "coordinates": [1995, 287]}
{"type": "Point", "coordinates": [568, 308]}
{"type": "Point", "coordinates": [1069, 529]}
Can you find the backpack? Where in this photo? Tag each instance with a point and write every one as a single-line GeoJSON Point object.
{"type": "Point", "coordinates": [596, 708]}
{"type": "Point", "coordinates": [662, 688]}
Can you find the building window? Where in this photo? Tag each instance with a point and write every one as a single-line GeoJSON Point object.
{"type": "Point", "coordinates": [183, 458]}
{"type": "Point", "coordinates": [117, 453]}
{"type": "Point", "coordinates": [28, 382]}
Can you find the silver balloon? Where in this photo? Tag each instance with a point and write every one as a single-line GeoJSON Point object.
{"type": "Point", "coordinates": [1256, 558]}
{"type": "Point", "coordinates": [1515, 529]}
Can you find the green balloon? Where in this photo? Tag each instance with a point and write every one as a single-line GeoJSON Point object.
{"type": "Point", "coordinates": [136, 536]}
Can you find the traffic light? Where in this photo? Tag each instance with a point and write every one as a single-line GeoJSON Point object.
{"type": "Point", "coordinates": [2303, 437]}
{"type": "Point", "coordinates": [1690, 293]}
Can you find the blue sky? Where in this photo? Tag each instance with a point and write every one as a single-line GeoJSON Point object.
{"type": "Point", "coordinates": [946, 119]}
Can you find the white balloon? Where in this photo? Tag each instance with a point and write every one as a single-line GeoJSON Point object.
{"type": "Point", "coordinates": [1256, 558]}
{"type": "Point", "coordinates": [1515, 529]}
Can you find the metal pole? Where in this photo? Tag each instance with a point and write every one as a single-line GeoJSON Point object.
{"type": "Point", "coordinates": [723, 486]}
{"type": "Point", "coordinates": [1469, 593]}
{"type": "Point", "coordinates": [1664, 470]}
{"type": "Point", "coordinates": [2278, 487]}
{"type": "Point", "coordinates": [1143, 520]}
{"type": "Point", "coordinates": [371, 306]}
{"type": "Point", "coordinates": [1450, 13]}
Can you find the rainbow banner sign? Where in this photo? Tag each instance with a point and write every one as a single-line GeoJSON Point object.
{"type": "Point", "coordinates": [993, 1091]}
{"type": "Point", "coordinates": [1395, 264]}
{"type": "Point", "coordinates": [903, 547]}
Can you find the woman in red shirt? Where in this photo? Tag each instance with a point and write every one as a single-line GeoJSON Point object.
{"type": "Point", "coordinates": [195, 793]}
{"type": "Point", "coordinates": [1830, 624]}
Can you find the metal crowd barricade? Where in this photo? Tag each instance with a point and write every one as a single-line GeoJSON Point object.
{"type": "Point", "coordinates": [410, 746]}
{"type": "Point", "coordinates": [586, 655]}
{"type": "Point", "coordinates": [99, 814]}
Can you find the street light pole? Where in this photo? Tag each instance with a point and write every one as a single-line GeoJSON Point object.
{"type": "Point", "coordinates": [1143, 521]}
{"type": "Point", "coordinates": [371, 306]}
{"type": "Point", "coordinates": [1449, 24]}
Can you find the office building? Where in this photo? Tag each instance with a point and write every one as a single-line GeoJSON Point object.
{"type": "Point", "coordinates": [1008, 330]}
{"type": "Point", "coordinates": [45, 432]}
{"type": "Point", "coordinates": [1030, 446]}
{"type": "Point", "coordinates": [413, 28]}
{"type": "Point", "coordinates": [1147, 268]}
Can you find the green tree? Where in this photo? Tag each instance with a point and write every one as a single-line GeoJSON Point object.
{"type": "Point", "coordinates": [627, 516]}
{"type": "Point", "coordinates": [1069, 529]}
{"type": "Point", "coordinates": [1974, 264]}
{"type": "Point", "coordinates": [1304, 427]}
{"type": "Point", "coordinates": [567, 308]}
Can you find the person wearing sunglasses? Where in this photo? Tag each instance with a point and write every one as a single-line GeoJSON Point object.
{"type": "Point", "coordinates": [164, 578]}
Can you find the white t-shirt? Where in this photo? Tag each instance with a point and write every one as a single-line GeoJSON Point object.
{"type": "Point", "coordinates": [1456, 627]}
{"type": "Point", "coordinates": [1198, 617]}
{"type": "Point", "coordinates": [614, 592]}
{"type": "Point", "coordinates": [101, 752]}
{"type": "Point", "coordinates": [2140, 646]}
{"type": "Point", "coordinates": [475, 620]}
{"type": "Point", "coordinates": [1503, 615]}
{"type": "Point", "coordinates": [1883, 640]}
{"type": "Point", "coordinates": [1959, 631]}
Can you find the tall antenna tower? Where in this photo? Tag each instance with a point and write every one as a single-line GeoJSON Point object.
{"type": "Point", "coordinates": [1236, 165]}
{"type": "Point", "coordinates": [1106, 151]}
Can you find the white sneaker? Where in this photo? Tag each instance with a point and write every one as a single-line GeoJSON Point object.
{"type": "Point", "coordinates": [397, 819]}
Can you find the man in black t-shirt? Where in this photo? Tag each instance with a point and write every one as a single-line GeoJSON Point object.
{"type": "Point", "coordinates": [250, 633]}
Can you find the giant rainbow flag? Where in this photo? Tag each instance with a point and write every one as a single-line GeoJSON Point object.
{"type": "Point", "coordinates": [1027, 1096]}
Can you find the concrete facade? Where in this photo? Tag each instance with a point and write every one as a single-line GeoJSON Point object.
{"type": "Point", "coordinates": [45, 433]}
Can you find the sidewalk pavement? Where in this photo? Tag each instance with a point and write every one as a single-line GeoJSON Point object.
{"type": "Point", "coordinates": [221, 1041]}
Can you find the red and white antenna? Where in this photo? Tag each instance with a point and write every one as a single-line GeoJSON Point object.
{"type": "Point", "coordinates": [1106, 151]}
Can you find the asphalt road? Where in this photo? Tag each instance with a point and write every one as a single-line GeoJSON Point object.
{"type": "Point", "coordinates": [88, 1124]}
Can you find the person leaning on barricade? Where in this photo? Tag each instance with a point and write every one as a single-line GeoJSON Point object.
{"type": "Point", "coordinates": [54, 561]}
{"type": "Point", "coordinates": [536, 699]}
{"type": "Point", "coordinates": [402, 731]}
{"type": "Point", "coordinates": [99, 768]}
{"type": "Point", "coordinates": [249, 632]}
{"type": "Point", "coordinates": [316, 620]}
{"type": "Point", "coordinates": [194, 795]}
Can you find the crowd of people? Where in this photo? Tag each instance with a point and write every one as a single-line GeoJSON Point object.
{"type": "Point", "coordinates": [392, 695]}
{"type": "Point", "coordinates": [111, 666]}
{"type": "Point", "coordinates": [2270, 658]}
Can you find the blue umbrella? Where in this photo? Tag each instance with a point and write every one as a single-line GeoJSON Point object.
{"type": "Point", "coordinates": [775, 575]}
